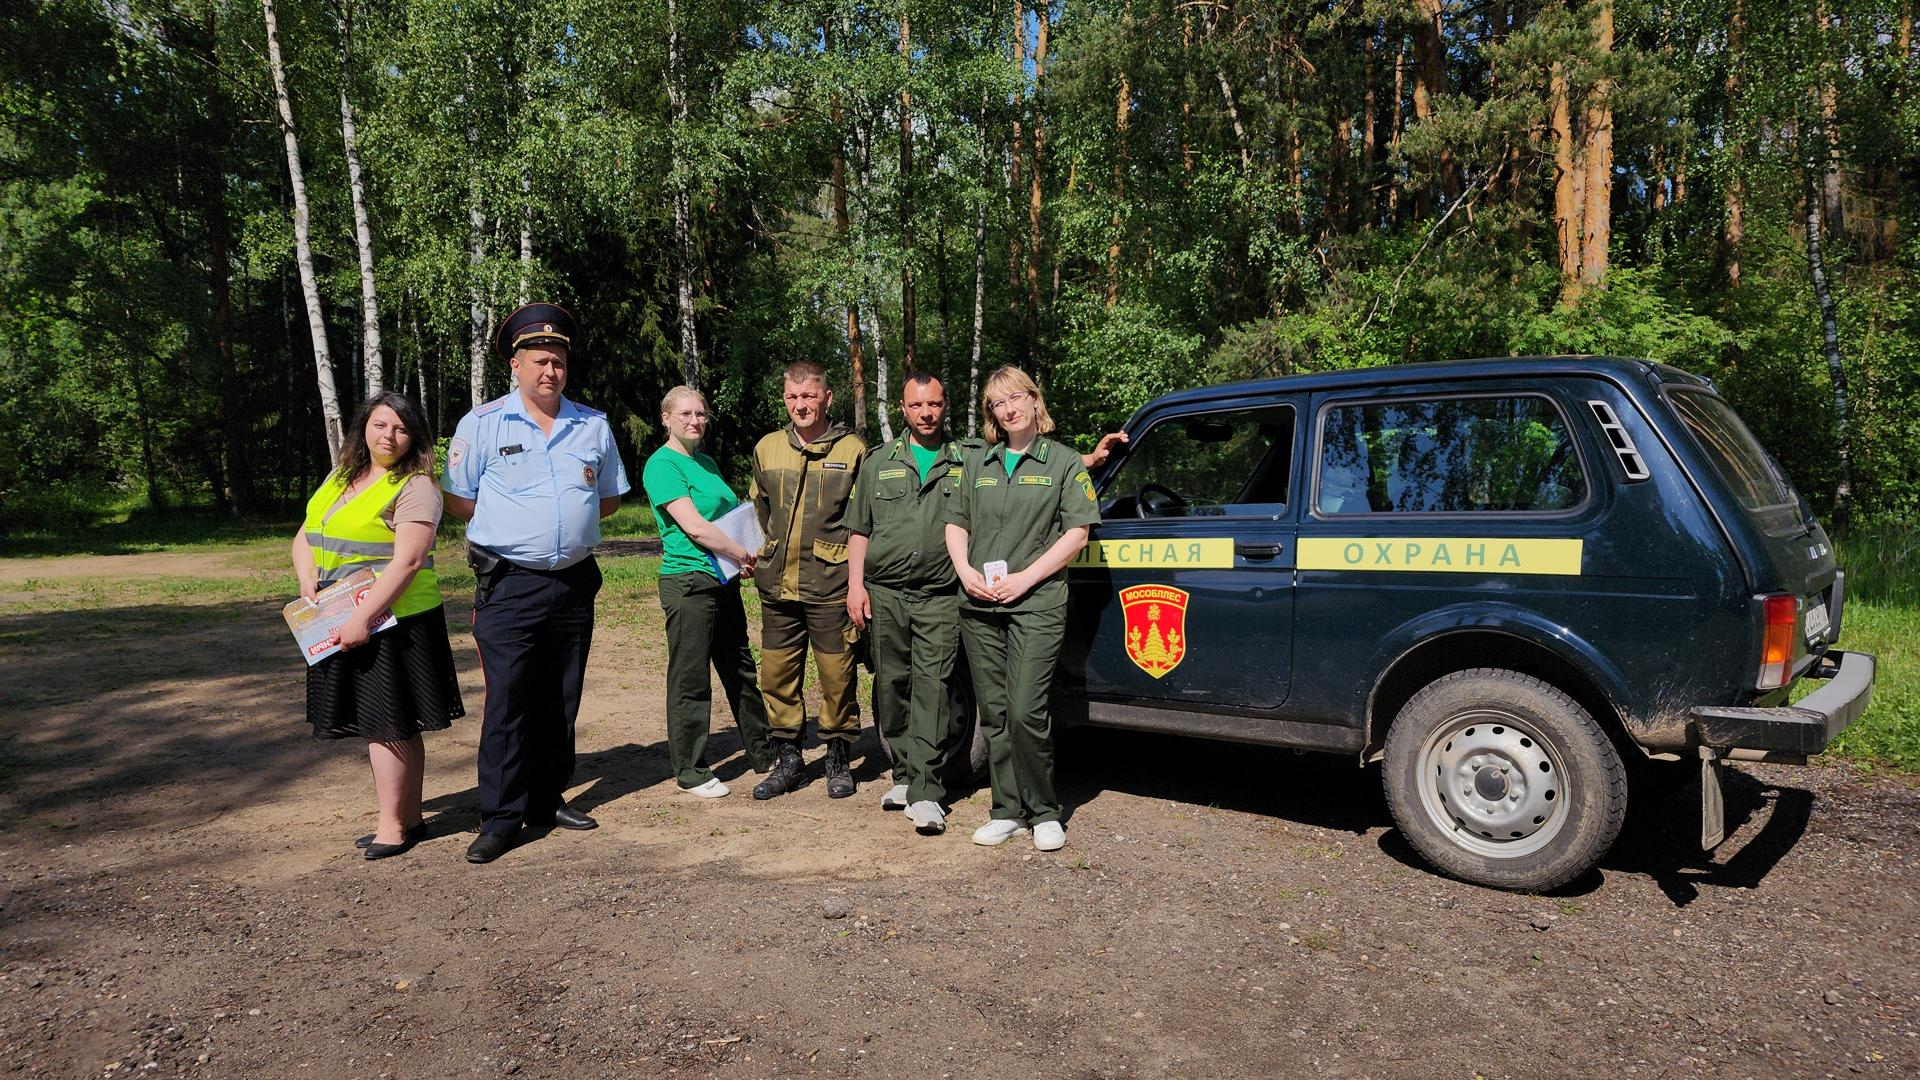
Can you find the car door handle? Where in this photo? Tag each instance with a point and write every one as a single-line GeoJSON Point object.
{"type": "Point", "coordinates": [1257, 551]}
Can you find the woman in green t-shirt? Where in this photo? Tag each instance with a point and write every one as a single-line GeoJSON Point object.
{"type": "Point", "coordinates": [706, 624]}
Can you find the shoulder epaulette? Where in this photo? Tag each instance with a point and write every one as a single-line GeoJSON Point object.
{"type": "Point", "coordinates": [590, 410]}
{"type": "Point", "coordinates": [492, 406]}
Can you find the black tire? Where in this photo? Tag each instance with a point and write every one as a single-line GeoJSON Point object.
{"type": "Point", "coordinates": [1501, 779]}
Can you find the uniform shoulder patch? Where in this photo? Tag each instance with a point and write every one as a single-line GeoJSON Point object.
{"type": "Point", "coordinates": [1086, 485]}
{"type": "Point", "coordinates": [456, 452]}
{"type": "Point", "coordinates": [492, 406]}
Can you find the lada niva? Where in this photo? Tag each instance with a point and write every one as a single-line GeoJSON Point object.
{"type": "Point", "coordinates": [1495, 577]}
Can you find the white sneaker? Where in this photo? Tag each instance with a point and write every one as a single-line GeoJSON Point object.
{"type": "Point", "coordinates": [997, 832]}
{"type": "Point", "coordinates": [712, 789]}
{"type": "Point", "coordinates": [927, 817]}
{"type": "Point", "coordinates": [1049, 836]}
{"type": "Point", "coordinates": [895, 798]}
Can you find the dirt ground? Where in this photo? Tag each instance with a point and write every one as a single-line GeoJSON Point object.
{"type": "Point", "coordinates": [179, 895]}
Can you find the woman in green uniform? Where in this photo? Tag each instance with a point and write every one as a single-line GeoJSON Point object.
{"type": "Point", "coordinates": [1019, 515]}
{"type": "Point", "coordinates": [378, 510]}
{"type": "Point", "coordinates": [706, 624]}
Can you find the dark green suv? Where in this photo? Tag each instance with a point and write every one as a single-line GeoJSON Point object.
{"type": "Point", "coordinates": [1495, 576]}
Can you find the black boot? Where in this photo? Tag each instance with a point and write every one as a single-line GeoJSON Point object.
{"type": "Point", "coordinates": [786, 772]}
{"type": "Point", "coordinates": [839, 777]}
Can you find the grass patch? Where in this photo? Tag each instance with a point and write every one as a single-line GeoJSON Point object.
{"type": "Point", "coordinates": [1882, 617]}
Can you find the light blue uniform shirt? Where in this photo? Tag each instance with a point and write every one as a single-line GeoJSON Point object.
{"type": "Point", "coordinates": [537, 499]}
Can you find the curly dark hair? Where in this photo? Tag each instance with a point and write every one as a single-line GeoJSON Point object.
{"type": "Point", "coordinates": [355, 458]}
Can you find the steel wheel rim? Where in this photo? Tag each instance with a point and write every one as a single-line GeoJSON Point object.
{"type": "Point", "coordinates": [1492, 785]}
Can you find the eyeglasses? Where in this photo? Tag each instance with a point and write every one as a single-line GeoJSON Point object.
{"type": "Point", "coordinates": [1018, 397]}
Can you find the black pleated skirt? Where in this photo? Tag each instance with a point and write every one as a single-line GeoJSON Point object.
{"type": "Point", "coordinates": [397, 685]}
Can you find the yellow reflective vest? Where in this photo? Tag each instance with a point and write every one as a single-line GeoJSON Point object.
{"type": "Point", "coordinates": [356, 537]}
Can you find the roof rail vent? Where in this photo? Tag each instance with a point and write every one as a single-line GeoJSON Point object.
{"type": "Point", "coordinates": [1622, 443]}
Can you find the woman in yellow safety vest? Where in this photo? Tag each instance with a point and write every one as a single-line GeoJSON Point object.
{"type": "Point", "coordinates": [378, 510]}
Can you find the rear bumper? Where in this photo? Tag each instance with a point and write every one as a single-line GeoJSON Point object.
{"type": "Point", "coordinates": [1803, 728]}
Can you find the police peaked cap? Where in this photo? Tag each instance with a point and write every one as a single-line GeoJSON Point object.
{"type": "Point", "coordinates": [535, 324]}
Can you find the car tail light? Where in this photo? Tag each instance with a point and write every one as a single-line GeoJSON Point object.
{"type": "Point", "coordinates": [1776, 648]}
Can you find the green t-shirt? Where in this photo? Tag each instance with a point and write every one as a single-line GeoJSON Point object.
{"type": "Point", "coordinates": [1013, 462]}
{"type": "Point", "coordinates": [670, 475]}
{"type": "Point", "coordinates": [923, 458]}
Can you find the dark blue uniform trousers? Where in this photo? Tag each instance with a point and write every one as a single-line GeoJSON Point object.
{"type": "Point", "coordinates": [533, 628]}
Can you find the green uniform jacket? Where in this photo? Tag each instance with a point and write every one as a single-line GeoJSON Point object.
{"type": "Point", "coordinates": [1018, 517]}
{"type": "Point", "coordinates": [800, 492]}
{"type": "Point", "coordinates": [904, 518]}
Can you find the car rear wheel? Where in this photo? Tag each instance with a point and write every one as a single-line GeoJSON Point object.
{"type": "Point", "coordinates": [1501, 779]}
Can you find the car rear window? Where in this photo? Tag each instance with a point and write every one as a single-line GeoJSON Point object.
{"type": "Point", "coordinates": [1736, 455]}
{"type": "Point", "coordinates": [1511, 454]}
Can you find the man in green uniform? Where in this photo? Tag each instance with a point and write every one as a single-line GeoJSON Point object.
{"type": "Point", "coordinates": [803, 477]}
{"type": "Point", "coordinates": [902, 585]}
{"type": "Point", "coordinates": [901, 582]}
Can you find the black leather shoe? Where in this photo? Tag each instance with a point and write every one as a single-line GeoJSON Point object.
{"type": "Point", "coordinates": [411, 836]}
{"type": "Point", "coordinates": [388, 851]}
{"type": "Point", "coordinates": [785, 775]}
{"type": "Point", "coordinates": [839, 776]}
{"type": "Point", "coordinates": [489, 847]}
{"type": "Point", "coordinates": [568, 818]}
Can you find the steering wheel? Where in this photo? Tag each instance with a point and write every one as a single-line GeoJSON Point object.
{"type": "Point", "coordinates": [1153, 500]}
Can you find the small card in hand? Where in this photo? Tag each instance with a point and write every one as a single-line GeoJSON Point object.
{"type": "Point", "coordinates": [995, 572]}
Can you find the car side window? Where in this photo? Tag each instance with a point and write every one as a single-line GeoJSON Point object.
{"type": "Point", "coordinates": [1220, 464]}
{"type": "Point", "coordinates": [1448, 455]}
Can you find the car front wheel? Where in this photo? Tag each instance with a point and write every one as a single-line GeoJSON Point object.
{"type": "Point", "coordinates": [1501, 779]}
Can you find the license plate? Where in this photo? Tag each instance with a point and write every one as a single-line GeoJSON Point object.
{"type": "Point", "coordinates": [1818, 623]}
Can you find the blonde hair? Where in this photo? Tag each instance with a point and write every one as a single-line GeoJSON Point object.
{"type": "Point", "coordinates": [1012, 380]}
{"type": "Point", "coordinates": [679, 394]}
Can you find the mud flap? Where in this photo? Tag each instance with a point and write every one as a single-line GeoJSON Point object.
{"type": "Point", "coordinates": [1713, 808]}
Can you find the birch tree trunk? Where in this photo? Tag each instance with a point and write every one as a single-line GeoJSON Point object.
{"type": "Point", "coordinates": [526, 238]}
{"type": "Point", "coordinates": [682, 225]}
{"type": "Point", "coordinates": [302, 242]}
{"type": "Point", "coordinates": [987, 172]}
{"type": "Point", "coordinates": [880, 376]}
{"type": "Point", "coordinates": [1832, 183]}
{"type": "Point", "coordinates": [1830, 345]}
{"type": "Point", "coordinates": [362, 227]}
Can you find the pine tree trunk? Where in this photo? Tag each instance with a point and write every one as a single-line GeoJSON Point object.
{"type": "Point", "coordinates": [1569, 180]}
{"type": "Point", "coordinates": [1042, 13]}
{"type": "Point", "coordinates": [362, 226]}
{"type": "Point", "coordinates": [909, 331]}
{"type": "Point", "coordinates": [1597, 216]}
{"type": "Point", "coordinates": [1369, 150]}
{"type": "Point", "coordinates": [1399, 124]}
{"type": "Point", "coordinates": [1830, 345]}
{"type": "Point", "coordinates": [1735, 195]}
{"type": "Point", "coordinates": [1832, 184]}
{"type": "Point", "coordinates": [1429, 82]}
{"type": "Point", "coordinates": [682, 225]}
{"type": "Point", "coordinates": [1122, 107]}
{"type": "Point", "coordinates": [302, 242]}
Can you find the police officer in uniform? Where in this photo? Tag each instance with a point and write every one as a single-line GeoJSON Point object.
{"type": "Point", "coordinates": [803, 477]}
{"type": "Point", "coordinates": [532, 473]}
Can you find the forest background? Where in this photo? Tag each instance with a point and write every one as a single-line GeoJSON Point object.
{"type": "Point", "coordinates": [222, 224]}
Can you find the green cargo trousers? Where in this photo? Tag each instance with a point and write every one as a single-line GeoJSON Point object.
{"type": "Point", "coordinates": [788, 628]}
{"type": "Point", "coordinates": [1012, 656]}
{"type": "Point", "coordinates": [706, 625]}
{"type": "Point", "coordinates": [917, 704]}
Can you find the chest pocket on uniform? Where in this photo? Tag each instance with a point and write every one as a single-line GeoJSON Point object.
{"type": "Point", "coordinates": [577, 468]}
{"type": "Point", "coordinates": [518, 472]}
{"type": "Point", "coordinates": [892, 484]}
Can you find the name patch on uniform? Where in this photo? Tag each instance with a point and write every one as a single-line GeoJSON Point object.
{"type": "Point", "coordinates": [1037, 480]}
{"type": "Point", "coordinates": [986, 481]}
{"type": "Point", "coordinates": [1442, 554]}
{"type": "Point", "coordinates": [833, 464]}
{"type": "Point", "coordinates": [1156, 621]}
{"type": "Point", "coordinates": [1149, 553]}
{"type": "Point", "coordinates": [892, 474]}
